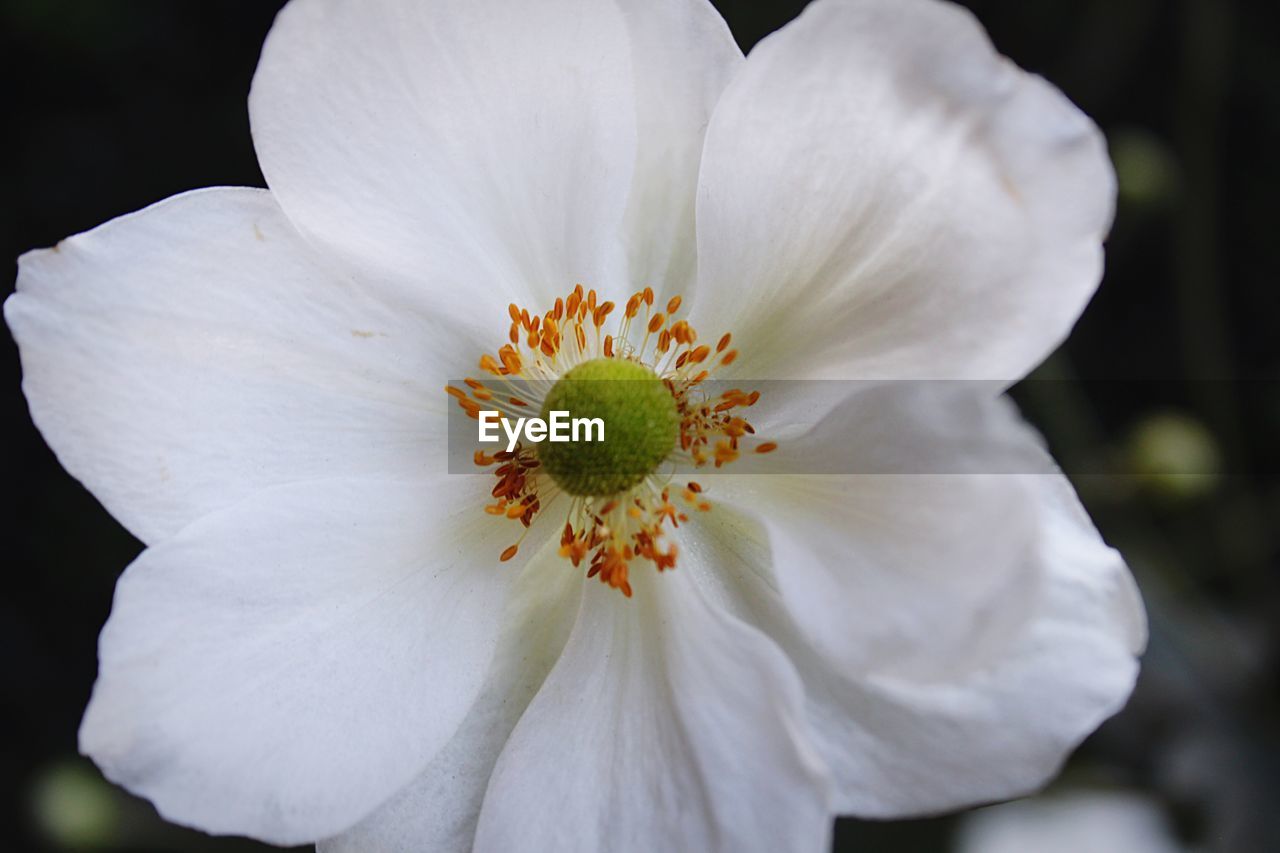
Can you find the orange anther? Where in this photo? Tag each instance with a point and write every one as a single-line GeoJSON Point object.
{"type": "Point", "coordinates": [656, 322]}
{"type": "Point", "coordinates": [509, 553]}
{"type": "Point", "coordinates": [602, 313]}
{"type": "Point", "coordinates": [725, 452]}
{"type": "Point", "coordinates": [674, 305]}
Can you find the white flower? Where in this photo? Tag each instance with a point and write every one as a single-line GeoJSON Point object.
{"type": "Point", "coordinates": [1082, 820]}
{"type": "Point", "coordinates": [320, 641]}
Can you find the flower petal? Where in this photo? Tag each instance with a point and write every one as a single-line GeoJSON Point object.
{"type": "Point", "coordinates": [683, 56]}
{"type": "Point", "coordinates": [1005, 730]}
{"type": "Point", "coordinates": [903, 745]}
{"type": "Point", "coordinates": [281, 667]}
{"type": "Point", "coordinates": [923, 521]}
{"type": "Point", "coordinates": [438, 811]}
{"type": "Point", "coordinates": [472, 152]}
{"type": "Point", "coordinates": [898, 200]}
{"type": "Point", "coordinates": [183, 357]}
{"type": "Point", "coordinates": [666, 725]}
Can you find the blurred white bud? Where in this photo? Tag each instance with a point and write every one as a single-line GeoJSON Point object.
{"type": "Point", "coordinates": [1093, 821]}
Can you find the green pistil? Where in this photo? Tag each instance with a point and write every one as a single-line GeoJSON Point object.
{"type": "Point", "coordinates": [641, 424]}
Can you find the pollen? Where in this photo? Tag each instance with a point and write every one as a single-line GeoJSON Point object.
{"type": "Point", "coordinates": [645, 377]}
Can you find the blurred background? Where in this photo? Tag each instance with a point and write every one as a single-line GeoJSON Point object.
{"type": "Point", "coordinates": [1162, 405]}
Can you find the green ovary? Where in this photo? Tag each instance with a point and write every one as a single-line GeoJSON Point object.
{"type": "Point", "coordinates": [641, 424]}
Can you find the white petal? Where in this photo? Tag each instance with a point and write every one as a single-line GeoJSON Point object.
{"type": "Point", "coordinates": [923, 521]}
{"type": "Point", "coordinates": [438, 811]}
{"type": "Point", "coordinates": [897, 200]}
{"type": "Point", "coordinates": [281, 667]}
{"type": "Point", "coordinates": [666, 725]}
{"type": "Point", "coordinates": [1000, 727]}
{"type": "Point", "coordinates": [181, 358]}
{"type": "Point", "coordinates": [1006, 730]}
{"type": "Point", "coordinates": [472, 151]}
{"type": "Point", "coordinates": [683, 56]}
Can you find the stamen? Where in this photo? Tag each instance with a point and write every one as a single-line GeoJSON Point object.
{"type": "Point", "coordinates": [608, 531]}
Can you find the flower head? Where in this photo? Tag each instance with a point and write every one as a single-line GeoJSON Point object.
{"type": "Point", "coordinates": [329, 637]}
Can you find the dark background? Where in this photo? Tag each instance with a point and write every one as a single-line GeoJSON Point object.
{"type": "Point", "coordinates": [111, 106]}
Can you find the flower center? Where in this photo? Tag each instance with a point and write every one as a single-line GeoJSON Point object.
{"type": "Point", "coordinates": [646, 380]}
{"type": "Point", "coordinates": [641, 424]}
